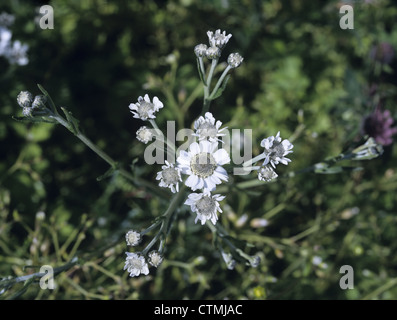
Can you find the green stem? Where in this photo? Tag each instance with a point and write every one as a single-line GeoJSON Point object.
{"type": "Point", "coordinates": [165, 224]}
{"type": "Point", "coordinates": [207, 100]}
{"type": "Point", "coordinates": [218, 84]}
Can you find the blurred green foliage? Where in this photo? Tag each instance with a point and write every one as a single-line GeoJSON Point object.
{"type": "Point", "coordinates": [302, 75]}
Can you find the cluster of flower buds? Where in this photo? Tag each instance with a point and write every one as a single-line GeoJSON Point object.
{"type": "Point", "coordinates": [29, 104]}
{"type": "Point", "coordinates": [217, 41]}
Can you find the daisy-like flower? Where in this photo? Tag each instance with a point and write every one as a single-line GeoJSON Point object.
{"type": "Point", "coordinates": [169, 177]}
{"type": "Point", "coordinates": [144, 109]}
{"type": "Point", "coordinates": [276, 149]}
{"type": "Point", "coordinates": [135, 264]}
{"type": "Point", "coordinates": [155, 258]}
{"type": "Point", "coordinates": [203, 165]}
{"type": "Point", "coordinates": [266, 173]}
{"type": "Point", "coordinates": [205, 205]}
{"type": "Point", "coordinates": [218, 39]}
{"type": "Point", "coordinates": [144, 135]}
{"type": "Point", "coordinates": [207, 129]}
{"type": "Point", "coordinates": [133, 238]}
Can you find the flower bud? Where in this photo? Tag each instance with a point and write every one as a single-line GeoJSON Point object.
{"type": "Point", "coordinates": [213, 53]}
{"type": "Point", "coordinates": [234, 60]}
{"type": "Point", "coordinates": [200, 50]}
{"type": "Point", "coordinates": [25, 99]}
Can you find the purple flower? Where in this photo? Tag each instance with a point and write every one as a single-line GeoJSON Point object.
{"type": "Point", "coordinates": [378, 125]}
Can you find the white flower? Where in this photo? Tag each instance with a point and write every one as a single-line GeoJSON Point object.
{"type": "Point", "coordinates": [203, 165]}
{"type": "Point", "coordinates": [144, 109]}
{"type": "Point", "coordinates": [276, 150]}
{"type": "Point", "coordinates": [25, 99]}
{"type": "Point", "coordinates": [234, 60]}
{"type": "Point", "coordinates": [133, 238]}
{"type": "Point", "coordinates": [6, 19]}
{"type": "Point", "coordinates": [207, 128]}
{"type": "Point", "coordinates": [205, 205]}
{"type": "Point", "coordinates": [135, 264]}
{"type": "Point", "coordinates": [39, 102]}
{"type": "Point", "coordinates": [155, 258]}
{"type": "Point", "coordinates": [5, 40]}
{"type": "Point", "coordinates": [213, 53]}
{"type": "Point", "coordinates": [144, 134]}
{"type": "Point", "coordinates": [218, 39]}
{"type": "Point", "coordinates": [266, 173]}
{"type": "Point", "coordinates": [17, 53]}
{"type": "Point", "coordinates": [169, 177]}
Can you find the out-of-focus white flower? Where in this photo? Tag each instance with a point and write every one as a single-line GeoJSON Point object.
{"type": "Point", "coordinates": [144, 109]}
{"type": "Point", "coordinates": [203, 165]}
{"type": "Point", "coordinates": [205, 205]}
{"type": "Point", "coordinates": [133, 238]}
{"type": "Point", "coordinates": [218, 39]}
{"type": "Point", "coordinates": [276, 149]}
{"type": "Point", "coordinates": [6, 19]}
{"type": "Point", "coordinates": [144, 134]}
{"type": "Point", "coordinates": [17, 54]}
{"type": "Point", "coordinates": [234, 60]}
{"type": "Point", "coordinates": [169, 177]}
{"type": "Point", "coordinates": [207, 129]}
{"type": "Point", "coordinates": [155, 258]}
{"type": "Point", "coordinates": [5, 40]}
{"type": "Point", "coordinates": [135, 264]}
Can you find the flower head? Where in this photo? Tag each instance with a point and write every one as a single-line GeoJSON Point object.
{"type": "Point", "coordinates": [218, 39]}
{"type": "Point", "coordinates": [378, 125]}
{"type": "Point", "coordinates": [6, 19]}
{"type": "Point", "coordinates": [135, 264]}
{"type": "Point", "coordinates": [203, 165]}
{"type": "Point", "coordinates": [276, 149]}
{"type": "Point", "coordinates": [169, 177]}
{"type": "Point", "coordinates": [207, 128]}
{"type": "Point", "coordinates": [39, 102]}
{"type": "Point", "coordinates": [5, 40]}
{"type": "Point", "coordinates": [200, 50]}
{"type": "Point", "coordinates": [133, 238]}
{"type": "Point", "coordinates": [25, 99]}
{"type": "Point", "coordinates": [144, 134]}
{"type": "Point", "coordinates": [155, 258]}
{"type": "Point", "coordinates": [17, 53]}
{"type": "Point", "coordinates": [205, 205]}
{"type": "Point", "coordinates": [144, 109]}
{"type": "Point", "coordinates": [213, 53]}
{"type": "Point", "coordinates": [234, 60]}
{"type": "Point", "coordinates": [266, 173]}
